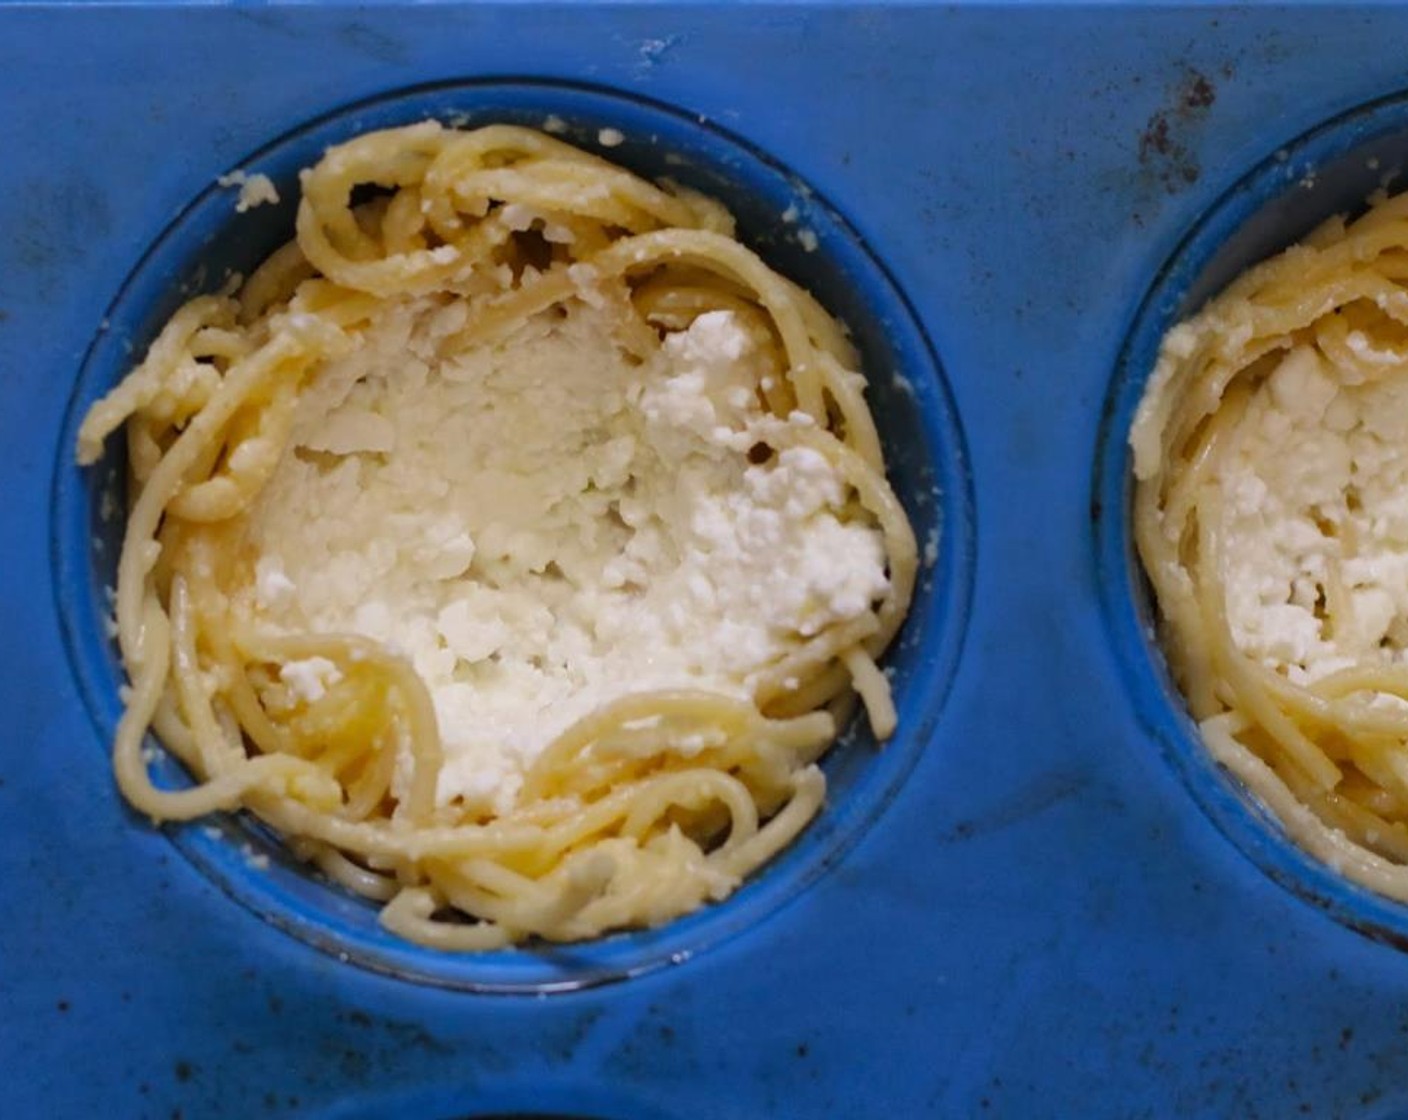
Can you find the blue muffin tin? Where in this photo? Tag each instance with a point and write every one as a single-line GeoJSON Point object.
{"type": "Point", "coordinates": [1053, 915]}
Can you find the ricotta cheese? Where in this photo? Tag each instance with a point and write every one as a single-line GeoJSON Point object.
{"type": "Point", "coordinates": [1315, 524]}
{"type": "Point", "coordinates": [255, 190]}
{"type": "Point", "coordinates": [542, 525]}
{"type": "Point", "coordinates": [310, 678]}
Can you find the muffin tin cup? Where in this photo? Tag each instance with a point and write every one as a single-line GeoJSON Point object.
{"type": "Point", "coordinates": [1332, 169]}
{"type": "Point", "coordinates": [800, 235]}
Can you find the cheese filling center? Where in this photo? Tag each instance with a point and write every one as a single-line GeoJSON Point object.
{"type": "Point", "coordinates": [1316, 521]}
{"type": "Point", "coordinates": [545, 524]}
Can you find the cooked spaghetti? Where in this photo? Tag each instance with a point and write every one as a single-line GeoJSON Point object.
{"type": "Point", "coordinates": [513, 542]}
{"type": "Point", "coordinates": [1271, 515]}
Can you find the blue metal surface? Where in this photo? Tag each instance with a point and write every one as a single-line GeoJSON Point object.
{"type": "Point", "coordinates": [1044, 922]}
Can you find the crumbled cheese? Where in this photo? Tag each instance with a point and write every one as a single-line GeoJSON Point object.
{"type": "Point", "coordinates": [254, 860]}
{"type": "Point", "coordinates": [610, 138]}
{"type": "Point", "coordinates": [272, 586]}
{"type": "Point", "coordinates": [542, 525]}
{"type": "Point", "coordinates": [516, 216]}
{"type": "Point", "coordinates": [110, 627]}
{"type": "Point", "coordinates": [310, 678]}
{"type": "Point", "coordinates": [255, 190]}
{"type": "Point", "coordinates": [1315, 522]}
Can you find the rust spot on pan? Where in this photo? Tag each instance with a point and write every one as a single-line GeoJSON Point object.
{"type": "Point", "coordinates": [1167, 152]}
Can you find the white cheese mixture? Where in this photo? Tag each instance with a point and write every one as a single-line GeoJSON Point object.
{"type": "Point", "coordinates": [1315, 523]}
{"type": "Point", "coordinates": [255, 190]}
{"type": "Point", "coordinates": [542, 526]}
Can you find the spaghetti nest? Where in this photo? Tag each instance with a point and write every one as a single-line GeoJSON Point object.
{"type": "Point", "coordinates": [623, 819]}
{"type": "Point", "coordinates": [1267, 452]}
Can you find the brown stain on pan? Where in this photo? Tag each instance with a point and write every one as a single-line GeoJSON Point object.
{"type": "Point", "coordinates": [1168, 157]}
